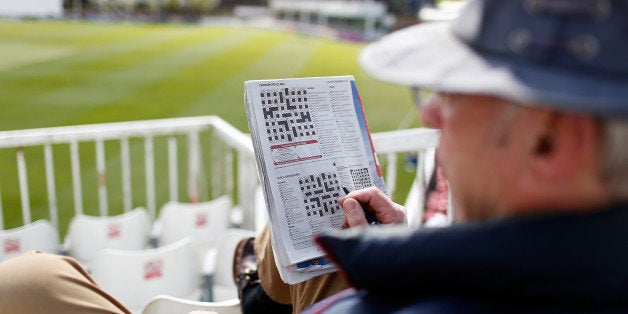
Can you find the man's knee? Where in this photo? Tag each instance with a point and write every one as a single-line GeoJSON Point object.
{"type": "Point", "coordinates": [37, 282]}
{"type": "Point", "coordinates": [28, 279]}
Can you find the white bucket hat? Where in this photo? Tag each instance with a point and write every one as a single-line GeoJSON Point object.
{"type": "Point", "coordinates": [567, 54]}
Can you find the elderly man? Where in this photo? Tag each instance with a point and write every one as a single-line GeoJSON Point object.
{"type": "Point", "coordinates": [531, 100]}
{"type": "Point", "coordinates": [532, 104]}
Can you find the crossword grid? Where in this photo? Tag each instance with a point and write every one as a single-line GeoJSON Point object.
{"type": "Point", "coordinates": [361, 178]}
{"type": "Point", "coordinates": [287, 115]}
{"type": "Point", "coordinates": [320, 193]}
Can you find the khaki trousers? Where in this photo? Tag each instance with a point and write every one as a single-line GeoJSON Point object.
{"type": "Point", "coordinates": [300, 295]}
{"type": "Point", "coordinates": [37, 282]}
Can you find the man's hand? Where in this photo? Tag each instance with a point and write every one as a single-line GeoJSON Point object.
{"type": "Point", "coordinates": [371, 199]}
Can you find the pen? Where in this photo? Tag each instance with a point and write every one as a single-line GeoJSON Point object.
{"type": "Point", "coordinates": [370, 216]}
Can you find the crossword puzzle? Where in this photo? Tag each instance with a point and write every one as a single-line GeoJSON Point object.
{"type": "Point", "coordinates": [320, 193]}
{"type": "Point", "coordinates": [361, 178]}
{"type": "Point", "coordinates": [287, 115]}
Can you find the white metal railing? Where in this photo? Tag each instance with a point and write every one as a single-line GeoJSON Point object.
{"type": "Point", "coordinates": [235, 177]}
{"type": "Point", "coordinates": [122, 132]}
{"type": "Point", "coordinates": [423, 143]}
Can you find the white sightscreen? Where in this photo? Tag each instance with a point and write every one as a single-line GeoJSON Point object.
{"type": "Point", "coordinates": [31, 8]}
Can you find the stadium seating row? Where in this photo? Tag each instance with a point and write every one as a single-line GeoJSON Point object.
{"type": "Point", "coordinates": [184, 256]}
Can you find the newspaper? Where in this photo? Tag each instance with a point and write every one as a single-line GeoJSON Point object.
{"type": "Point", "coordinates": [312, 144]}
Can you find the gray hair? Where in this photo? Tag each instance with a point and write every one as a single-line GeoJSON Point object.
{"type": "Point", "coordinates": [614, 167]}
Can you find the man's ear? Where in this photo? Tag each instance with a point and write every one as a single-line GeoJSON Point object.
{"type": "Point", "coordinates": [563, 147]}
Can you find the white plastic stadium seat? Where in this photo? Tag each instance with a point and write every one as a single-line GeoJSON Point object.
{"type": "Point", "coordinates": [204, 222]}
{"type": "Point", "coordinates": [135, 276]}
{"type": "Point", "coordinates": [40, 235]}
{"type": "Point", "coordinates": [220, 272]}
{"type": "Point", "coordinates": [89, 234]}
{"type": "Point", "coordinates": [164, 304]}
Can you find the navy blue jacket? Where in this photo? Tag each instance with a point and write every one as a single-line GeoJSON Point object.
{"type": "Point", "coordinates": [553, 263]}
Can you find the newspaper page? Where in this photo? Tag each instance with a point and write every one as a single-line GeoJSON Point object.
{"type": "Point", "coordinates": [312, 143]}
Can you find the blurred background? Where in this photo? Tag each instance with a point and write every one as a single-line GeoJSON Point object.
{"type": "Point", "coordinates": [74, 62]}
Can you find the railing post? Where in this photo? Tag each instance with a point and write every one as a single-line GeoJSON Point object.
{"type": "Point", "coordinates": [173, 170]}
{"type": "Point", "coordinates": [421, 184]}
{"type": "Point", "coordinates": [391, 173]}
{"type": "Point", "coordinates": [214, 165]}
{"type": "Point", "coordinates": [149, 164]}
{"type": "Point", "coordinates": [229, 184]}
{"type": "Point", "coordinates": [102, 178]}
{"type": "Point", "coordinates": [218, 166]}
{"type": "Point", "coordinates": [23, 181]}
{"type": "Point", "coordinates": [126, 174]}
{"type": "Point", "coordinates": [50, 183]}
{"type": "Point", "coordinates": [242, 192]}
{"type": "Point", "coordinates": [76, 178]}
{"type": "Point", "coordinates": [247, 179]}
{"type": "Point", "coordinates": [193, 167]}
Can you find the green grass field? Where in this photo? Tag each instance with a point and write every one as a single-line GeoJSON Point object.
{"type": "Point", "coordinates": [68, 73]}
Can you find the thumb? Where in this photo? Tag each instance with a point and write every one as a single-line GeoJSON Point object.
{"type": "Point", "coordinates": [354, 214]}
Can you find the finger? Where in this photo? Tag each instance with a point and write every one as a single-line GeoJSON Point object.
{"type": "Point", "coordinates": [373, 199]}
{"type": "Point", "coordinates": [372, 196]}
{"type": "Point", "coordinates": [353, 213]}
{"type": "Point", "coordinates": [353, 194]}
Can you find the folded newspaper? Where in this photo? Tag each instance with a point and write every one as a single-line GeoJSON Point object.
{"type": "Point", "coordinates": [312, 144]}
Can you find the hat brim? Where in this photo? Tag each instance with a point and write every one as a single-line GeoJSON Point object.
{"type": "Point", "coordinates": [430, 56]}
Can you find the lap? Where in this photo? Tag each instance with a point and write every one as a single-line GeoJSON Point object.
{"type": "Point", "coordinates": [37, 282]}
